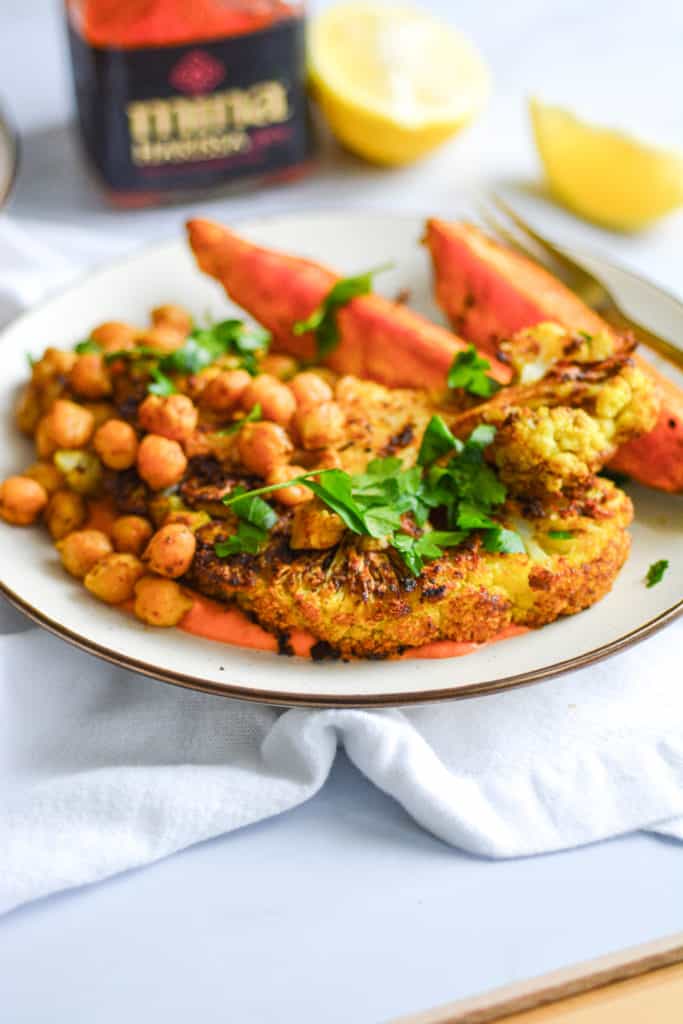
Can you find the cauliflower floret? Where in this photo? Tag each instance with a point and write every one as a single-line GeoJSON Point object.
{"type": "Point", "coordinates": [315, 527]}
{"type": "Point", "coordinates": [532, 352]}
{"type": "Point", "coordinates": [549, 451]}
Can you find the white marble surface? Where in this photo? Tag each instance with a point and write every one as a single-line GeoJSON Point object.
{"type": "Point", "coordinates": [344, 909]}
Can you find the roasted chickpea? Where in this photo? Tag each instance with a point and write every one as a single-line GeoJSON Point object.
{"type": "Point", "coordinates": [116, 443]}
{"type": "Point", "coordinates": [160, 602]}
{"type": "Point", "coordinates": [309, 389]}
{"type": "Point", "coordinates": [262, 446]}
{"type": "Point", "coordinates": [115, 336]}
{"type": "Point", "coordinates": [69, 424]}
{"type": "Point", "coordinates": [89, 377]}
{"type": "Point", "coordinates": [47, 475]}
{"type": "Point", "coordinates": [276, 400]}
{"type": "Point", "coordinates": [161, 462]}
{"type": "Point", "coordinates": [225, 390]}
{"type": "Point", "coordinates": [173, 316]}
{"type": "Point", "coordinates": [321, 425]}
{"type": "Point", "coordinates": [113, 578]}
{"type": "Point", "coordinates": [174, 417]}
{"type": "Point", "coordinates": [28, 410]}
{"type": "Point", "coordinates": [55, 362]}
{"type": "Point", "coordinates": [162, 338]}
{"type": "Point", "coordinates": [171, 550]}
{"type": "Point", "coordinates": [297, 494]}
{"type": "Point", "coordinates": [131, 534]}
{"type": "Point", "coordinates": [80, 550]}
{"type": "Point", "coordinates": [45, 443]}
{"type": "Point", "coordinates": [279, 365]}
{"type": "Point", "coordinates": [65, 512]}
{"type": "Point", "coordinates": [21, 500]}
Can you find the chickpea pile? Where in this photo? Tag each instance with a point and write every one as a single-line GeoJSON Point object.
{"type": "Point", "coordinates": [275, 424]}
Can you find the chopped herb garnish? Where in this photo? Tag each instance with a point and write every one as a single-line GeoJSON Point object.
{"type": "Point", "coordinates": [584, 334]}
{"type": "Point", "coordinates": [31, 361]}
{"type": "Point", "coordinates": [161, 384]}
{"type": "Point", "coordinates": [656, 572]}
{"type": "Point", "coordinates": [437, 440]}
{"type": "Point", "coordinates": [469, 372]}
{"type": "Point", "coordinates": [203, 346]}
{"type": "Point", "coordinates": [252, 416]}
{"type": "Point", "coordinates": [466, 490]}
{"type": "Point", "coordinates": [256, 519]}
{"type": "Point", "coordinates": [248, 539]}
{"type": "Point", "coordinates": [207, 344]}
{"type": "Point", "coordinates": [252, 509]}
{"type": "Point", "coordinates": [88, 345]}
{"type": "Point", "coordinates": [323, 319]}
{"type": "Point", "coordinates": [506, 542]}
{"type": "Point", "coordinates": [560, 534]}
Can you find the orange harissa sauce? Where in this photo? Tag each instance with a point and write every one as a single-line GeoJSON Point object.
{"type": "Point", "coordinates": [215, 621]}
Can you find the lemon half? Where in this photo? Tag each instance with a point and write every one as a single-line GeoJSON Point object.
{"type": "Point", "coordinates": [393, 82]}
{"type": "Point", "coordinates": [604, 175]}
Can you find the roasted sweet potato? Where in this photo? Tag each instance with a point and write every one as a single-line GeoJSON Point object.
{"type": "Point", "coordinates": [380, 340]}
{"type": "Point", "coordinates": [489, 292]}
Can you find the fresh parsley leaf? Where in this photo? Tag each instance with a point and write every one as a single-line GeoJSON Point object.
{"type": "Point", "coordinates": [506, 542]}
{"type": "Point", "coordinates": [334, 489]}
{"type": "Point", "coordinates": [656, 572]}
{"type": "Point", "coordinates": [253, 416]}
{"type": "Point", "coordinates": [437, 440]}
{"type": "Point", "coordinates": [139, 352]}
{"type": "Point", "coordinates": [248, 539]}
{"type": "Point", "coordinates": [88, 345]}
{"type": "Point", "coordinates": [416, 550]}
{"type": "Point", "coordinates": [162, 385]}
{"type": "Point", "coordinates": [252, 509]}
{"type": "Point", "coordinates": [372, 503]}
{"type": "Point", "coordinates": [207, 344]}
{"type": "Point", "coordinates": [468, 371]}
{"type": "Point", "coordinates": [30, 360]}
{"type": "Point", "coordinates": [560, 534]}
{"type": "Point", "coordinates": [323, 320]}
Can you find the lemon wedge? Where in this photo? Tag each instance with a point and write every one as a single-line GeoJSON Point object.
{"type": "Point", "coordinates": [393, 82]}
{"type": "Point", "coordinates": [604, 175]}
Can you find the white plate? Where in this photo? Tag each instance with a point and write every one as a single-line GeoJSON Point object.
{"type": "Point", "coordinates": [30, 574]}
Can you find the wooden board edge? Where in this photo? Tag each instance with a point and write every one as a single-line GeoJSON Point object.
{"type": "Point", "coordinates": [555, 986]}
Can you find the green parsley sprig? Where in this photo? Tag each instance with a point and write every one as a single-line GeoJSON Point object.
{"type": "Point", "coordinates": [203, 346]}
{"type": "Point", "coordinates": [256, 518]}
{"type": "Point", "coordinates": [468, 371]}
{"type": "Point", "coordinates": [323, 320]}
{"type": "Point", "coordinates": [655, 573]}
{"type": "Point", "coordinates": [373, 503]}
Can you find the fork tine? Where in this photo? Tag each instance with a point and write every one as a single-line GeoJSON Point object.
{"type": "Point", "coordinates": [592, 291]}
{"type": "Point", "coordinates": [570, 267]}
{"type": "Point", "coordinates": [499, 228]}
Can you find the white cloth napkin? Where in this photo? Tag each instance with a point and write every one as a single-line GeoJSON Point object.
{"type": "Point", "coordinates": [103, 770]}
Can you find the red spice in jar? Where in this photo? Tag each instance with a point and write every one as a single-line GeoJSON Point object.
{"type": "Point", "coordinates": [178, 97]}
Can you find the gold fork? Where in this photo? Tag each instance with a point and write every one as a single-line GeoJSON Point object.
{"type": "Point", "coordinates": [519, 235]}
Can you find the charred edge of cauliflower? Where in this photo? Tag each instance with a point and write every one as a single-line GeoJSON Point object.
{"type": "Point", "coordinates": [532, 352]}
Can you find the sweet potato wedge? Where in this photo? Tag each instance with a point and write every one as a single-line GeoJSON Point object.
{"type": "Point", "coordinates": [489, 292]}
{"type": "Point", "coordinates": [379, 339]}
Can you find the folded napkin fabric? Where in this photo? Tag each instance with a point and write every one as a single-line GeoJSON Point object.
{"type": "Point", "coordinates": [102, 769]}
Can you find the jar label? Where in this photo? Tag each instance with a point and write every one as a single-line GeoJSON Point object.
{"type": "Point", "coordinates": [194, 115]}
